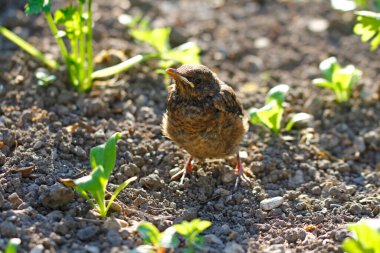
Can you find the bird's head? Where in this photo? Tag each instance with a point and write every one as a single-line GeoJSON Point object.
{"type": "Point", "coordinates": [195, 81]}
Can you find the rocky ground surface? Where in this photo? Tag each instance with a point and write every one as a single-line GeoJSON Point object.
{"type": "Point", "coordinates": [308, 183]}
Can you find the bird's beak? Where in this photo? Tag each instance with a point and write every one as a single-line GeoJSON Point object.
{"type": "Point", "coordinates": [177, 76]}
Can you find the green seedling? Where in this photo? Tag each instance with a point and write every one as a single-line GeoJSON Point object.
{"type": "Point", "coordinates": [156, 242]}
{"type": "Point", "coordinates": [272, 113]}
{"type": "Point", "coordinates": [102, 160]}
{"type": "Point", "coordinates": [12, 245]}
{"type": "Point", "coordinates": [349, 5]}
{"type": "Point", "coordinates": [190, 232]}
{"type": "Point", "coordinates": [366, 237]}
{"type": "Point", "coordinates": [368, 27]}
{"type": "Point", "coordinates": [74, 25]}
{"type": "Point", "coordinates": [158, 39]}
{"type": "Point", "coordinates": [44, 78]}
{"type": "Point", "coordinates": [339, 79]}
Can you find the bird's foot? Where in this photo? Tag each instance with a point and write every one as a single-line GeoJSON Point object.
{"type": "Point", "coordinates": [242, 178]}
{"type": "Point", "coordinates": [182, 173]}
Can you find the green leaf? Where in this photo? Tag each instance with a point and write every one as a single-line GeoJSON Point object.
{"type": "Point", "coordinates": [328, 66]}
{"type": "Point", "coordinates": [71, 19]}
{"type": "Point", "coordinates": [270, 116]}
{"type": "Point", "coordinates": [321, 82]}
{"type": "Point", "coordinates": [277, 93]}
{"type": "Point", "coordinates": [144, 249]}
{"type": "Point", "coordinates": [157, 38]}
{"type": "Point", "coordinates": [37, 6]}
{"type": "Point", "coordinates": [366, 237]}
{"type": "Point", "coordinates": [118, 190]}
{"type": "Point", "coordinates": [12, 245]}
{"type": "Point", "coordinates": [299, 117]}
{"type": "Point", "coordinates": [149, 233]}
{"type": "Point", "coordinates": [368, 27]}
{"type": "Point", "coordinates": [105, 155]}
{"type": "Point", "coordinates": [168, 239]}
{"type": "Point", "coordinates": [187, 53]}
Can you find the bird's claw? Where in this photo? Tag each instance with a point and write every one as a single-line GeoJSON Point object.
{"type": "Point", "coordinates": [182, 173]}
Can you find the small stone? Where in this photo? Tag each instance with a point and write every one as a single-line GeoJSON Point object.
{"type": "Point", "coordinates": [151, 182]}
{"type": "Point", "coordinates": [112, 224]}
{"type": "Point", "coordinates": [87, 232]}
{"type": "Point", "coordinates": [130, 170]}
{"type": "Point", "coordinates": [228, 178]}
{"type": "Point", "coordinates": [211, 238]}
{"type": "Point", "coordinates": [3, 159]}
{"type": "Point", "coordinates": [318, 25]}
{"type": "Point", "coordinates": [360, 144]}
{"type": "Point", "coordinates": [39, 145]}
{"type": "Point", "coordinates": [92, 249]}
{"type": "Point", "coordinates": [355, 209]}
{"type": "Point", "coordinates": [190, 213]}
{"type": "Point", "coordinates": [15, 199]}
{"type": "Point", "coordinates": [57, 196]}
{"type": "Point", "coordinates": [261, 42]}
{"type": "Point", "coordinates": [316, 190]}
{"type": "Point", "coordinates": [233, 247]}
{"type": "Point", "coordinates": [269, 204]}
{"type": "Point", "coordinates": [2, 200]}
{"type": "Point", "coordinates": [8, 229]}
{"type": "Point", "coordinates": [294, 234]}
{"type": "Point", "coordinates": [80, 152]}
{"type": "Point", "coordinates": [37, 249]}
{"type": "Point", "coordinates": [225, 229]}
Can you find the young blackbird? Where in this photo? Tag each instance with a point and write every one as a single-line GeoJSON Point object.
{"type": "Point", "coordinates": [204, 117]}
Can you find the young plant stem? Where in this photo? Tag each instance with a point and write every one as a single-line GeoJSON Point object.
{"type": "Point", "coordinates": [123, 66]}
{"type": "Point", "coordinates": [30, 49]}
{"type": "Point", "coordinates": [90, 67]}
{"type": "Point", "coordinates": [82, 49]}
{"type": "Point", "coordinates": [54, 30]}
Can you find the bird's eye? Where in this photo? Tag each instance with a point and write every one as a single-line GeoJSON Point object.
{"type": "Point", "coordinates": [197, 81]}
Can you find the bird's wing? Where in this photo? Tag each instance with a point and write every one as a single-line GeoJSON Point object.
{"type": "Point", "coordinates": [226, 101]}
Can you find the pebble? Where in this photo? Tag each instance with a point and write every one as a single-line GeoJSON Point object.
{"type": "Point", "coordinates": [228, 177]}
{"type": "Point", "coordinates": [318, 25]}
{"type": "Point", "coordinates": [294, 234]}
{"type": "Point", "coordinates": [130, 170]}
{"type": "Point", "coordinates": [2, 200]}
{"type": "Point", "coordinates": [261, 42]}
{"type": "Point", "coordinates": [37, 249]}
{"type": "Point", "coordinates": [233, 247]}
{"type": "Point", "coordinates": [211, 238]}
{"type": "Point", "coordinates": [112, 224]}
{"type": "Point", "coordinates": [355, 209]}
{"type": "Point", "coordinates": [57, 195]}
{"type": "Point", "coordinates": [8, 229]}
{"type": "Point", "coordinates": [269, 204]}
{"type": "Point", "coordinates": [3, 159]}
{"type": "Point", "coordinates": [39, 145]}
{"type": "Point", "coordinates": [151, 182]}
{"type": "Point", "coordinates": [87, 232]}
{"type": "Point", "coordinates": [15, 199]}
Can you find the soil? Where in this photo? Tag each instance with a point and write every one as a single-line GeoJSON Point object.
{"type": "Point", "coordinates": [325, 175]}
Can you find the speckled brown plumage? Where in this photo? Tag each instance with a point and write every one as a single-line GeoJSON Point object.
{"type": "Point", "coordinates": [207, 120]}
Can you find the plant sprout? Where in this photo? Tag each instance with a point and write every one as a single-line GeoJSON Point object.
{"type": "Point", "coordinates": [368, 27]}
{"type": "Point", "coordinates": [366, 237]}
{"type": "Point", "coordinates": [12, 245]}
{"type": "Point", "coordinates": [339, 79]}
{"type": "Point", "coordinates": [271, 114]}
{"type": "Point", "coordinates": [158, 39]}
{"type": "Point", "coordinates": [156, 242]}
{"type": "Point", "coordinates": [102, 160]}
{"type": "Point", "coordinates": [190, 231]}
{"type": "Point", "coordinates": [73, 24]}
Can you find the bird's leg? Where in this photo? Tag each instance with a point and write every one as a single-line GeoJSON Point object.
{"type": "Point", "coordinates": [188, 168]}
{"type": "Point", "coordinates": [239, 171]}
